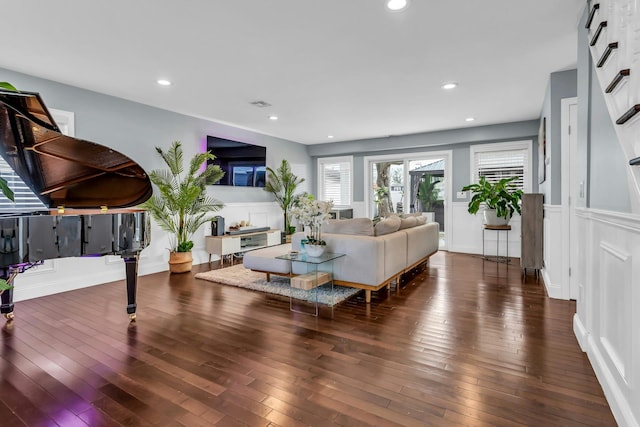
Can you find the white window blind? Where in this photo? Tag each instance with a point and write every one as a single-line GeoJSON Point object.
{"type": "Point", "coordinates": [335, 180]}
{"type": "Point", "coordinates": [504, 160]}
{"type": "Point", "coordinates": [25, 200]}
{"type": "Point", "coordinates": [495, 165]}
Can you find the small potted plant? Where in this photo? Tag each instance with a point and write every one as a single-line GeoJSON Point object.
{"type": "Point", "coordinates": [312, 214]}
{"type": "Point", "coordinates": [181, 204]}
{"type": "Point", "coordinates": [500, 199]}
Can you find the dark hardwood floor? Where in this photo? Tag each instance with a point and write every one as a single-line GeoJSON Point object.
{"type": "Point", "coordinates": [466, 342]}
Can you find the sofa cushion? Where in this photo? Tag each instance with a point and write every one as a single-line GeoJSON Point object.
{"type": "Point", "coordinates": [354, 226]}
{"type": "Point", "coordinates": [265, 259]}
{"type": "Point", "coordinates": [421, 241]}
{"type": "Point", "coordinates": [408, 222]}
{"type": "Point", "coordinates": [420, 220]}
{"type": "Point", "coordinates": [387, 225]}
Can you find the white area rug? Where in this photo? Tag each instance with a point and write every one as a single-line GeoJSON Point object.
{"type": "Point", "coordinates": [241, 277]}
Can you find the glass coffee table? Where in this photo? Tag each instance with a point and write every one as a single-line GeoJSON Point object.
{"type": "Point", "coordinates": [319, 271]}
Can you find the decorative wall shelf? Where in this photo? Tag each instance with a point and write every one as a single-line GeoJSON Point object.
{"type": "Point", "coordinates": [617, 79]}
{"type": "Point", "coordinates": [592, 14]}
{"type": "Point", "coordinates": [628, 115]}
{"type": "Point", "coordinates": [598, 32]}
{"type": "Point", "coordinates": [607, 52]}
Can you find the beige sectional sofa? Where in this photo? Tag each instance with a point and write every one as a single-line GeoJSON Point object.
{"type": "Point", "coordinates": [375, 255]}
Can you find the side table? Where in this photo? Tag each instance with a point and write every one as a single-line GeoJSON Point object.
{"type": "Point", "coordinates": [319, 270]}
{"type": "Point", "coordinates": [497, 229]}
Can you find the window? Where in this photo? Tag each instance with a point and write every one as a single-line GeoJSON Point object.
{"type": "Point", "coordinates": [25, 199]}
{"type": "Point", "coordinates": [335, 180]}
{"type": "Point", "coordinates": [503, 160]}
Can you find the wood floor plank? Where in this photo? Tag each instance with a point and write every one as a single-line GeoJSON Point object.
{"type": "Point", "coordinates": [464, 342]}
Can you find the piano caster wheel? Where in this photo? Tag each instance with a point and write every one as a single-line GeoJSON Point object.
{"type": "Point", "coordinates": [9, 316]}
{"type": "Point", "coordinates": [132, 317]}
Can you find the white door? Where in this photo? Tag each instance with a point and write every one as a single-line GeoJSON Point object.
{"type": "Point", "coordinates": [573, 185]}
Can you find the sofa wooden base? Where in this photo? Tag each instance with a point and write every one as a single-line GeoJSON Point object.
{"type": "Point", "coordinates": [367, 288]}
{"type": "Point", "coordinates": [386, 284]}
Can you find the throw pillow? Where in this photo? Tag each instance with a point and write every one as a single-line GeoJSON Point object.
{"type": "Point", "coordinates": [408, 222]}
{"type": "Point", "coordinates": [354, 226]}
{"type": "Point", "coordinates": [421, 220]}
{"type": "Point", "coordinates": [387, 225]}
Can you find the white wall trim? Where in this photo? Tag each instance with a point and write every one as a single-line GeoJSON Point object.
{"type": "Point", "coordinates": [553, 265]}
{"type": "Point", "coordinates": [568, 175]}
{"type": "Point", "coordinates": [66, 121]}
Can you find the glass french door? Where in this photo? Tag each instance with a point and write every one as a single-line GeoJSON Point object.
{"type": "Point", "coordinates": [401, 185]}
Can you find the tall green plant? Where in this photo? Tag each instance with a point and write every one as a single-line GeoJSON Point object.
{"type": "Point", "coordinates": [503, 196]}
{"type": "Point", "coordinates": [427, 192]}
{"type": "Point", "coordinates": [182, 205]}
{"type": "Point", "coordinates": [282, 183]}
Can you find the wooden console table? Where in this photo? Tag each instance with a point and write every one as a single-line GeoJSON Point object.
{"type": "Point", "coordinates": [230, 244]}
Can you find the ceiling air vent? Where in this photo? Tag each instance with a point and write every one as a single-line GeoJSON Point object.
{"type": "Point", "coordinates": [261, 104]}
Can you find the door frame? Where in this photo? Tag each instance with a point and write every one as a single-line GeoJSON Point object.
{"type": "Point", "coordinates": [569, 150]}
{"type": "Point", "coordinates": [446, 155]}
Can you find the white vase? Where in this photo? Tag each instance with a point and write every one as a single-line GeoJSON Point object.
{"type": "Point", "coordinates": [491, 218]}
{"type": "Point", "coordinates": [314, 250]}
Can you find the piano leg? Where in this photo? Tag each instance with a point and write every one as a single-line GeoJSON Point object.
{"type": "Point", "coordinates": [131, 269]}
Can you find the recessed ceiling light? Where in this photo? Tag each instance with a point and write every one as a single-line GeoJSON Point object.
{"type": "Point", "coordinates": [273, 117]}
{"type": "Point", "coordinates": [449, 86]}
{"type": "Point", "coordinates": [469, 119]}
{"type": "Point", "coordinates": [163, 82]}
{"type": "Point", "coordinates": [330, 136]}
{"type": "Point", "coordinates": [396, 4]}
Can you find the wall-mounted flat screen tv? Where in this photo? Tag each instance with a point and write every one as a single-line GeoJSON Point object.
{"type": "Point", "coordinates": [244, 164]}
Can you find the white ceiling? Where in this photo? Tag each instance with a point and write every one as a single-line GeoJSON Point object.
{"type": "Point", "coordinates": [348, 68]}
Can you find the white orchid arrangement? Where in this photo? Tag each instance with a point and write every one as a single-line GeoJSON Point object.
{"type": "Point", "coordinates": [312, 213]}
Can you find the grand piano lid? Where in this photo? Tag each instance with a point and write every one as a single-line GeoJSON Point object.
{"type": "Point", "coordinates": [62, 170]}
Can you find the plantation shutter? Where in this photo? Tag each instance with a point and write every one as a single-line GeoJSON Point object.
{"type": "Point", "coordinates": [25, 200]}
{"type": "Point", "coordinates": [335, 181]}
{"type": "Point", "coordinates": [495, 165]}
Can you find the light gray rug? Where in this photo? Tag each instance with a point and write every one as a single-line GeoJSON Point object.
{"type": "Point", "coordinates": [241, 277]}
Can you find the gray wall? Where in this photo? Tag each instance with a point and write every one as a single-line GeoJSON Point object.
{"type": "Point", "coordinates": [584, 111]}
{"type": "Point", "coordinates": [457, 140]}
{"type": "Point", "coordinates": [134, 129]}
{"type": "Point", "coordinates": [561, 85]}
{"type": "Point", "coordinates": [602, 166]}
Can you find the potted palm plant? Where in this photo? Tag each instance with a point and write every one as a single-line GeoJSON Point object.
{"type": "Point", "coordinates": [181, 204]}
{"type": "Point", "coordinates": [282, 183]}
{"type": "Point", "coordinates": [500, 199]}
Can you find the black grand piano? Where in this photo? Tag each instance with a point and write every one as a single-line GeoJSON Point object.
{"type": "Point", "coordinates": [87, 188]}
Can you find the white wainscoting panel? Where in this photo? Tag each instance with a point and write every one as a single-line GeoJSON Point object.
{"type": "Point", "coordinates": [614, 305]}
{"type": "Point", "coordinates": [66, 274]}
{"type": "Point", "coordinates": [553, 252]}
{"type": "Point", "coordinates": [466, 234]}
{"type": "Point", "coordinates": [607, 322]}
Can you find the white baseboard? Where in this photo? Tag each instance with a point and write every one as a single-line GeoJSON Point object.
{"type": "Point", "coordinates": [581, 333]}
{"type": "Point", "coordinates": [615, 396]}
{"type": "Point", "coordinates": [554, 290]}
